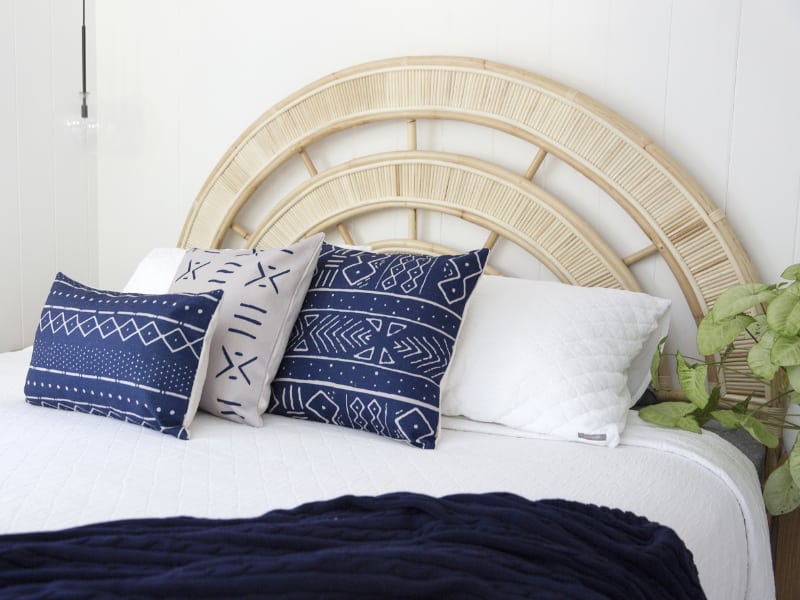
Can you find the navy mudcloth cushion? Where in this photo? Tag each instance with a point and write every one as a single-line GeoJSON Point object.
{"type": "Point", "coordinates": [134, 357]}
{"type": "Point", "coordinates": [373, 340]}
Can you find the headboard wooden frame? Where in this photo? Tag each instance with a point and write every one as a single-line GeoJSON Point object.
{"type": "Point", "coordinates": [677, 216]}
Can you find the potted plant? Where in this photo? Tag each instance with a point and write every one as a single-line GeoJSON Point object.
{"type": "Point", "coordinates": [773, 359]}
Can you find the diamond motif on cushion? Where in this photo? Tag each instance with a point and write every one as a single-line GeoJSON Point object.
{"type": "Point", "coordinates": [375, 336]}
{"type": "Point", "coordinates": [414, 426]}
{"type": "Point", "coordinates": [323, 407]}
{"type": "Point", "coordinates": [130, 372]}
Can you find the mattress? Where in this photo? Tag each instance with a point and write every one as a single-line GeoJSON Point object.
{"type": "Point", "coordinates": [63, 469]}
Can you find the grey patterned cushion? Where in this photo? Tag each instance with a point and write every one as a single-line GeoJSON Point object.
{"type": "Point", "coordinates": [264, 290]}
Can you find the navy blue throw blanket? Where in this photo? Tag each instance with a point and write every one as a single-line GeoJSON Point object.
{"type": "Point", "coordinates": [399, 545]}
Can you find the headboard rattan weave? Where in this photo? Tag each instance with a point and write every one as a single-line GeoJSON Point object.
{"type": "Point", "coordinates": [681, 222]}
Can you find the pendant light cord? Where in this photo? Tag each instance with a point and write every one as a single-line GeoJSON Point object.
{"type": "Point", "coordinates": [84, 93]}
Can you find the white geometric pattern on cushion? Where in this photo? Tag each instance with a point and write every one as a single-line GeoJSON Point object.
{"type": "Point", "coordinates": [373, 341]}
{"type": "Point", "coordinates": [139, 358]}
{"type": "Point", "coordinates": [264, 290]}
{"type": "Point", "coordinates": [549, 358]}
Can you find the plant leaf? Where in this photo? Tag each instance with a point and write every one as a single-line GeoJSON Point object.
{"type": "Point", "coordinates": [791, 272]}
{"type": "Point", "coordinates": [713, 334]}
{"type": "Point", "coordinates": [741, 298]}
{"type": "Point", "coordinates": [781, 494]}
{"type": "Point", "coordinates": [783, 313]}
{"type": "Point", "coordinates": [786, 351]}
{"type": "Point", "coordinates": [692, 379]}
{"type": "Point", "coordinates": [702, 415]}
{"type": "Point", "coordinates": [666, 413]}
{"type": "Point", "coordinates": [728, 418]}
{"type": "Point", "coordinates": [741, 407]}
{"type": "Point", "coordinates": [713, 399]}
{"type": "Point", "coordinates": [794, 462]}
{"type": "Point", "coordinates": [759, 326]}
{"type": "Point", "coordinates": [655, 362]}
{"type": "Point", "coordinates": [689, 424]}
{"type": "Point", "coordinates": [759, 431]}
{"type": "Point", "coordinates": [759, 358]}
{"type": "Point", "coordinates": [793, 374]}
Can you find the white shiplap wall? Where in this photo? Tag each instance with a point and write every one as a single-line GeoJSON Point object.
{"type": "Point", "coordinates": [47, 168]}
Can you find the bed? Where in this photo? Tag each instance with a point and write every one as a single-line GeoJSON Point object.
{"type": "Point", "coordinates": [487, 425]}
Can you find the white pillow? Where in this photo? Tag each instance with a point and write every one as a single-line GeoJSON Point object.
{"type": "Point", "coordinates": [639, 372]}
{"type": "Point", "coordinates": [553, 359]}
{"type": "Point", "coordinates": [154, 273]}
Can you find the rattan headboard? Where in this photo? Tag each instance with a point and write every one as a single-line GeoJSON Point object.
{"type": "Point", "coordinates": [681, 222]}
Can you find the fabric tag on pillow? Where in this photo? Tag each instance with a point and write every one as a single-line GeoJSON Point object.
{"type": "Point", "coordinates": [264, 290]}
{"type": "Point", "coordinates": [373, 340]}
{"type": "Point", "coordinates": [134, 357]}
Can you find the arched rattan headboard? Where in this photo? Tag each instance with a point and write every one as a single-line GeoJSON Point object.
{"type": "Point", "coordinates": [682, 223]}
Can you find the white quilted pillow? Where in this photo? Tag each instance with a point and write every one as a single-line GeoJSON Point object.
{"type": "Point", "coordinates": [552, 358]}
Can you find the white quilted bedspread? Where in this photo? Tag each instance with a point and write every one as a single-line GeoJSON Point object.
{"type": "Point", "coordinates": [61, 469]}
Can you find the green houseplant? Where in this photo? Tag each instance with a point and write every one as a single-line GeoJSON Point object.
{"type": "Point", "coordinates": [773, 359]}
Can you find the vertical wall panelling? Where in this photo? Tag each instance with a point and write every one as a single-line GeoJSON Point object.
{"type": "Point", "coordinates": [529, 34]}
{"type": "Point", "coordinates": [796, 253]}
{"type": "Point", "coordinates": [35, 73]}
{"type": "Point", "coordinates": [763, 195]}
{"type": "Point", "coordinates": [579, 44]}
{"type": "Point", "coordinates": [764, 168]}
{"type": "Point", "coordinates": [638, 62]}
{"type": "Point", "coordinates": [701, 80]}
{"type": "Point", "coordinates": [11, 298]}
{"type": "Point", "coordinates": [790, 436]}
{"type": "Point", "coordinates": [49, 219]}
{"type": "Point", "coordinates": [90, 147]}
{"type": "Point", "coordinates": [139, 98]}
{"type": "Point", "coordinates": [73, 140]}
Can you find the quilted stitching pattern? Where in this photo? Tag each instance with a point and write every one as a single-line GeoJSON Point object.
{"type": "Point", "coordinates": [549, 358]}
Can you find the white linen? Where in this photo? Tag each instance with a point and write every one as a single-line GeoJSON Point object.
{"type": "Point", "coordinates": [554, 358]}
{"type": "Point", "coordinates": [62, 469]}
{"type": "Point", "coordinates": [155, 272]}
